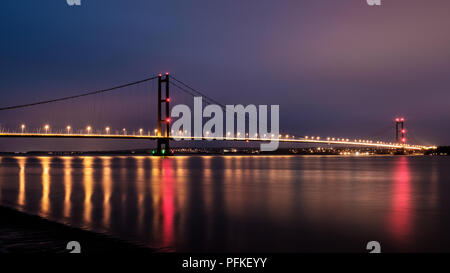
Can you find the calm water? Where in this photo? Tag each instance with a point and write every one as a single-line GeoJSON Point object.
{"type": "Point", "coordinates": [241, 203]}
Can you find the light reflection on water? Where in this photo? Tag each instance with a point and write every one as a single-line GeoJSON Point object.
{"type": "Point", "coordinates": [240, 203]}
{"type": "Point", "coordinates": [401, 201]}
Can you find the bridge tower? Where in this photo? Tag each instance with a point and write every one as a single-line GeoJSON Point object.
{"type": "Point", "coordinates": [400, 131]}
{"type": "Point", "coordinates": [163, 146]}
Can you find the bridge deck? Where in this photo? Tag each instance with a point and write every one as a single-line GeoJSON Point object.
{"type": "Point", "coordinates": [244, 139]}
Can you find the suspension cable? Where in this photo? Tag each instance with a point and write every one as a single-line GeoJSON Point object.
{"type": "Point", "coordinates": [207, 100]}
{"type": "Point", "coordinates": [77, 96]}
{"type": "Point", "coordinates": [195, 91]}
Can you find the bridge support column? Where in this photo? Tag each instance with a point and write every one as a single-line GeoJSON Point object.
{"type": "Point", "coordinates": [163, 142]}
{"type": "Point", "coordinates": [400, 131]}
{"type": "Point", "coordinates": [400, 138]}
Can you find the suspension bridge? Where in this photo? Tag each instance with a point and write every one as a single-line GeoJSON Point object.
{"type": "Point", "coordinates": [162, 132]}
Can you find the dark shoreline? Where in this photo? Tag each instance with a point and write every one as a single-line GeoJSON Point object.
{"type": "Point", "coordinates": [228, 152]}
{"type": "Point", "coordinates": [25, 233]}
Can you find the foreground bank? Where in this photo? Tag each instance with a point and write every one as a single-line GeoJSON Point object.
{"type": "Point", "coordinates": [24, 233]}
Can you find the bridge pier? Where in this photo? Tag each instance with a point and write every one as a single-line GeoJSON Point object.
{"type": "Point", "coordinates": [163, 147]}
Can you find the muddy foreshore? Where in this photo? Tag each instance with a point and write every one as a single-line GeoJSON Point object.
{"type": "Point", "coordinates": [24, 233]}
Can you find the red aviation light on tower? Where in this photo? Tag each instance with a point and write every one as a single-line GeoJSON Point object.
{"type": "Point", "coordinates": [159, 75]}
{"type": "Point", "coordinates": [168, 99]}
{"type": "Point", "coordinates": [167, 73]}
{"type": "Point", "coordinates": [403, 131]}
{"type": "Point", "coordinates": [397, 120]}
{"type": "Point", "coordinates": [167, 120]}
{"type": "Point", "coordinates": [403, 140]}
{"type": "Point", "coordinates": [402, 119]}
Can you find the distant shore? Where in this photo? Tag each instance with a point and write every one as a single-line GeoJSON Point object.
{"type": "Point", "coordinates": [24, 233]}
{"type": "Point", "coordinates": [239, 151]}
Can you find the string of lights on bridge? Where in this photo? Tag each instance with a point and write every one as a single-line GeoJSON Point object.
{"type": "Point", "coordinates": [89, 131]}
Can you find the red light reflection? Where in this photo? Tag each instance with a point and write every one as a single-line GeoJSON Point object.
{"type": "Point", "coordinates": [401, 214]}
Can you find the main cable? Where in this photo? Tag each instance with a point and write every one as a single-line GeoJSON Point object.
{"type": "Point", "coordinates": [77, 96]}
{"type": "Point", "coordinates": [195, 92]}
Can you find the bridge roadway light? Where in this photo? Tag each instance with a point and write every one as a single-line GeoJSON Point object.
{"type": "Point", "coordinates": [68, 129]}
{"type": "Point", "coordinates": [107, 130]}
{"type": "Point", "coordinates": [22, 127]}
{"type": "Point", "coordinates": [140, 131]}
{"type": "Point", "coordinates": [124, 131]}
{"type": "Point", "coordinates": [88, 129]}
{"type": "Point", "coordinates": [156, 131]}
{"type": "Point", "coordinates": [46, 127]}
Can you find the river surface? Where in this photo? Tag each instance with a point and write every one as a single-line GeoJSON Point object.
{"type": "Point", "coordinates": [241, 203]}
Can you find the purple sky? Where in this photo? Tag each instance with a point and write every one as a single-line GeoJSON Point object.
{"type": "Point", "coordinates": [336, 68]}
